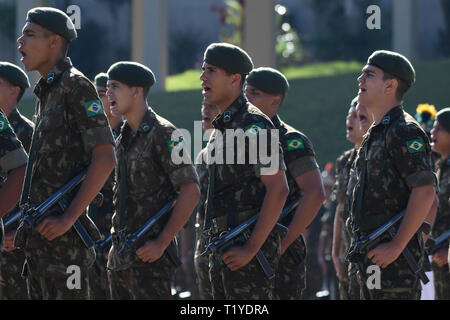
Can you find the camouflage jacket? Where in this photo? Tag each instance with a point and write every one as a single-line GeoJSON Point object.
{"type": "Point", "coordinates": [396, 153]}
{"type": "Point", "coordinates": [442, 222]}
{"type": "Point", "coordinates": [237, 184]}
{"type": "Point", "coordinates": [12, 156]}
{"type": "Point", "coordinates": [298, 155]}
{"type": "Point", "coordinates": [343, 167]}
{"type": "Point", "coordinates": [12, 153]}
{"type": "Point", "coordinates": [153, 179]}
{"type": "Point", "coordinates": [69, 123]}
{"type": "Point", "coordinates": [202, 172]}
{"type": "Point", "coordinates": [22, 127]}
{"type": "Point", "coordinates": [102, 215]}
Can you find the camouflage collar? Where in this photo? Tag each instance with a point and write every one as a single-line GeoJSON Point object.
{"type": "Point", "coordinates": [14, 115]}
{"type": "Point", "coordinates": [116, 130]}
{"type": "Point", "coordinates": [276, 121]}
{"type": "Point", "coordinates": [444, 163]}
{"type": "Point", "coordinates": [220, 122]}
{"type": "Point", "coordinates": [54, 74]}
{"type": "Point", "coordinates": [58, 69]}
{"type": "Point", "coordinates": [392, 115]}
{"type": "Point", "coordinates": [147, 121]}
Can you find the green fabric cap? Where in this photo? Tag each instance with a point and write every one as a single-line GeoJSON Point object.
{"type": "Point", "coordinates": [131, 73]}
{"type": "Point", "coordinates": [14, 75]}
{"type": "Point", "coordinates": [228, 57]}
{"type": "Point", "coordinates": [443, 117]}
{"type": "Point", "coordinates": [54, 20]}
{"type": "Point", "coordinates": [393, 63]}
{"type": "Point", "coordinates": [101, 79]}
{"type": "Point", "coordinates": [268, 80]}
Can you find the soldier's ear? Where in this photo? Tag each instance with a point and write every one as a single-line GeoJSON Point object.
{"type": "Point", "coordinates": [391, 85]}
{"type": "Point", "coordinates": [236, 78]}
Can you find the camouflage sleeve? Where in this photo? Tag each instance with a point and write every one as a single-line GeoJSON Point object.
{"type": "Point", "coordinates": [202, 172]}
{"type": "Point", "coordinates": [340, 187]}
{"type": "Point", "coordinates": [89, 116]}
{"type": "Point", "coordinates": [299, 154]}
{"type": "Point", "coordinates": [410, 149]}
{"type": "Point", "coordinates": [169, 148]}
{"type": "Point", "coordinates": [12, 154]}
{"type": "Point", "coordinates": [263, 149]}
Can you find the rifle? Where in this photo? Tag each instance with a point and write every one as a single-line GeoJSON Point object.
{"type": "Point", "coordinates": [132, 239]}
{"type": "Point", "coordinates": [240, 235]}
{"type": "Point", "coordinates": [358, 252]}
{"type": "Point", "coordinates": [434, 245]}
{"type": "Point", "coordinates": [103, 245]}
{"type": "Point", "coordinates": [33, 216]}
{"type": "Point", "coordinates": [12, 218]}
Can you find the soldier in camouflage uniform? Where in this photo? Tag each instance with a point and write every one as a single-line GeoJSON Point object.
{"type": "Point", "coordinates": [13, 159]}
{"type": "Point", "coordinates": [13, 83]}
{"type": "Point", "coordinates": [102, 215]}
{"type": "Point", "coordinates": [209, 112]}
{"type": "Point", "coordinates": [237, 190]}
{"type": "Point", "coordinates": [357, 124]}
{"type": "Point", "coordinates": [440, 143]}
{"type": "Point", "coordinates": [266, 89]}
{"type": "Point", "coordinates": [394, 174]}
{"type": "Point", "coordinates": [71, 134]}
{"type": "Point", "coordinates": [147, 179]}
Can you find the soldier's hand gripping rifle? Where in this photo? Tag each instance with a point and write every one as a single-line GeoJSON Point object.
{"type": "Point", "coordinates": [133, 239]}
{"type": "Point", "coordinates": [358, 252]}
{"type": "Point", "coordinates": [434, 245]}
{"type": "Point", "coordinates": [33, 216]}
{"type": "Point", "coordinates": [240, 235]}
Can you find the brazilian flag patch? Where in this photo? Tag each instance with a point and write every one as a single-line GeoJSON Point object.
{"type": "Point", "coordinates": [3, 124]}
{"type": "Point", "coordinates": [295, 144]}
{"type": "Point", "coordinates": [93, 108]}
{"type": "Point", "coordinates": [175, 144]}
{"type": "Point", "coordinates": [255, 128]}
{"type": "Point", "coordinates": [416, 145]}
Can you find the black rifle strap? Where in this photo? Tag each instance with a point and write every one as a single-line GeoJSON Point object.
{"type": "Point", "coordinates": [122, 191]}
{"type": "Point", "coordinates": [209, 200]}
{"type": "Point", "coordinates": [27, 182]}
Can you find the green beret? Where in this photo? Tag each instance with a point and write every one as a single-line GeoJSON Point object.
{"type": "Point", "coordinates": [101, 79]}
{"type": "Point", "coordinates": [443, 117]}
{"type": "Point", "coordinates": [14, 75]}
{"type": "Point", "coordinates": [54, 20]}
{"type": "Point", "coordinates": [268, 80]}
{"type": "Point", "coordinates": [131, 73]}
{"type": "Point", "coordinates": [228, 57]}
{"type": "Point", "coordinates": [393, 63]}
{"type": "Point", "coordinates": [354, 102]}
